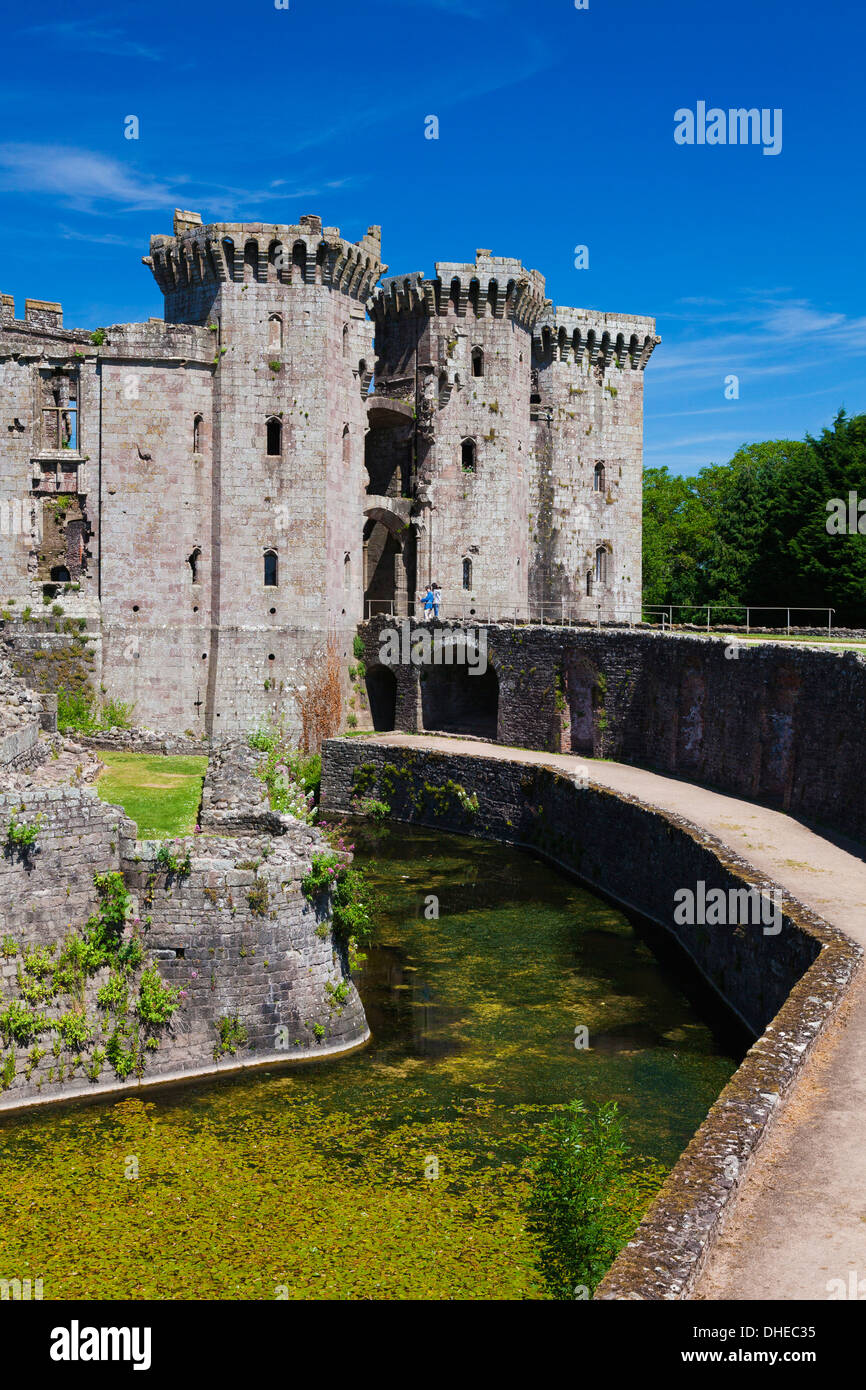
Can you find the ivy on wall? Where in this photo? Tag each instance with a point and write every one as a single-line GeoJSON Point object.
{"type": "Point", "coordinates": [133, 1004]}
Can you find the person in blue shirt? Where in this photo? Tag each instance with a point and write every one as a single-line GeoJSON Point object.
{"type": "Point", "coordinates": [437, 600]}
{"type": "Point", "coordinates": [427, 603]}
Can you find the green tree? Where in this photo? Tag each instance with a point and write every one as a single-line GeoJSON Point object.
{"type": "Point", "coordinates": [587, 1196]}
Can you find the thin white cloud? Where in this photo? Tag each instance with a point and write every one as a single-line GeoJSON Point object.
{"type": "Point", "coordinates": [77, 178]}
{"type": "Point", "coordinates": [87, 181]}
{"type": "Point", "coordinates": [92, 36]}
{"type": "Point", "coordinates": [98, 238]}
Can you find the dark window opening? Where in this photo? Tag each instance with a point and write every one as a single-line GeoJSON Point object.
{"type": "Point", "coordinates": [271, 569]}
{"type": "Point", "coordinates": [477, 362]}
{"type": "Point", "coordinates": [598, 478]}
{"type": "Point", "coordinates": [468, 455]}
{"type": "Point", "coordinates": [467, 574]}
{"type": "Point", "coordinates": [60, 574]}
{"type": "Point", "coordinates": [601, 565]}
{"type": "Point", "coordinates": [196, 434]}
{"type": "Point", "coordinates": [193, 564]}
{"type": "Point", "coordinates": [275, 438]}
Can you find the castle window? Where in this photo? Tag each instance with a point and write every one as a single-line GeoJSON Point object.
{"type": "Point", "coordinates": [193, 564]}
{"type": "Point", "coordinates": [251, 260]}
{"type": "Point", "coordinates": [589, 583]}
{"type": "Point", "coordinates": [601, 565]}
{"type": "Point", "coordinates": [347, 445]}
{"type": "Point", "coordinates": [196, 434]}
{"type": "Point", "coordinates": [229, 253]}
{"type": "Point", "coordinates": [598, 478]}
{"type": "Point", "coordinates": [275, 333]}
{"type": "Point", "coordinates": [477, 361]}
{"type": "Point", "coordinates": [467, 574]}
{"type": "Point", "coordinates": [468, 455]}
{"type": "Point", "coordinates": [345, 340]}
{"type": "Point", "coordinates": [60, 574]}
{"type": "Point", "coordinates": [271, 569]}
{"type": "Point", "coordinates": [299, 260]}
{"type": "Point", "coordinates": [60, 412]}
{"type": "Point", "coordinates": [275, 437]}
{"type": "Point", "coordinates": [276, 261]}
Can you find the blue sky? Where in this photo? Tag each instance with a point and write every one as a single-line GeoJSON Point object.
{"type": "Point", "coordinates": [556, 130]}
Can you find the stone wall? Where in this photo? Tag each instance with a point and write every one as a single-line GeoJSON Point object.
{"type": "Point", "coordinates": [22, 716]}
{"type": "Point", "coordinates": [785, 985]}
{"type": "Point", "coordinates": [773, 723]}
{"type": "Point", "coordinates": [51, 653]}
{"type": "Point", "coordinates": [231, 929]}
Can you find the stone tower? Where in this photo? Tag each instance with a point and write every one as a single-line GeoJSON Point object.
{"type": "Point", "coordinates": [261, 514]}
{"type": "Point", "coordinates": [459, 350]}
{"type": "Point", "coordinates": [586, 486]}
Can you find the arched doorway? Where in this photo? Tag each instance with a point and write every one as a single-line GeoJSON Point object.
{"type": "Point", "coordinates": [389, 562]}
{"type": "Point", "coordinates": [454, 701]}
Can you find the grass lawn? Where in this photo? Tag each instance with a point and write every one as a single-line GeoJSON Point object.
{"type": "Point", "coordinates": [838, 643]}
{"type": "Point", "coordinates": [161, 794]}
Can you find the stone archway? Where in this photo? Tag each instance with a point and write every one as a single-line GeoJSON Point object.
{"type": "Point", "coordinates": [454, 701]}
{"type": "Point", "coordinates": [389, 559]}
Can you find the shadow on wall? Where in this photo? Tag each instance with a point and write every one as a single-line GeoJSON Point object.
{"type": "Point", "coordinates": [455, 702]}
{"type": "Point", "coordinates": [582, 700]}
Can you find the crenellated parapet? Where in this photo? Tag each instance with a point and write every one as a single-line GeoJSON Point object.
{"type": "Point", "coordinates": [581, 335]}
{"type": "Point", "coordinates": [494, 287]}
{"type": "Point", "coordinates": [264, 253]}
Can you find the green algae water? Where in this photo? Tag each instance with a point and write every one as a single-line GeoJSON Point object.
{"type": "Point", "coordinates": [399, 1171]}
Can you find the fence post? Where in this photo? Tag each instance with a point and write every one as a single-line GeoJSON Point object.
{"type": "Point", "coordinates": [708, 617]}
{"type": "Point", "coordinates": [789, 623]}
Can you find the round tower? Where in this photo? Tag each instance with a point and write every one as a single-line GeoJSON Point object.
{"type": "Point", "coordinates": [587, 463]}
{"type": "Point", "coordinates": [458, 348]}
{"type": "Point", "coordinates": [292, 365]}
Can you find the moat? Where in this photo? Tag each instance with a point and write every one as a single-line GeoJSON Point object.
{"type": "Point", "coordinates": [398, 1171]}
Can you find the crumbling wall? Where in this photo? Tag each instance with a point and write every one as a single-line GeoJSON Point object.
{"type": "Point", "coordinates": [224, 920]}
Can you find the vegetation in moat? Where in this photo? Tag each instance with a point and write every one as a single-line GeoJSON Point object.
{"type": "Point", "coordinates": [410, 1169]}
{"type": "Point", "coordinates": [754, 530]}
{"type": "Point", "coordinates": [587, 1196]}
{"type": "Point", "coordinates": [132, 1006]}
{"type": "Point", "coordinates": [161, 794]}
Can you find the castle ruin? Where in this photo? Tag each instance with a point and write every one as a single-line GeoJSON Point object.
{"type": "Point", "coordinates": [300, 445]}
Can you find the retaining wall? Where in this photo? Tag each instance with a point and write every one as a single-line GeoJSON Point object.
{"type": "Point", "coordinates": [772, 723]}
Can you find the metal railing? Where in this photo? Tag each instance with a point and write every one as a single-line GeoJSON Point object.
{"type": "Point", "coordinates": [559, 615]}
{"type": "Point", "coordinates": [666, 612]}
